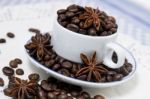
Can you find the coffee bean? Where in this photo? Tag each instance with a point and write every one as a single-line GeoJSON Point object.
{"type": "Point", "coordinates": [75, 93]}
{"type": "Point", "coordinates": [73, 27]}
{"type": "Point", "coordinates": [80, 97]}
{"type": "Point", "coordinates": [10, 35]}
{"type": "Point", "coordinates": [67, 65]}
{"type": "Point", "coordinates": [19, 61]}
{"type": "Point", "coordinates": [114, 30]}
{"type": "Point", "coordinates": [63, 92]}
{"type": "Point", "coordinates": [69, 97]}
{"type": "Point", "coordinates": [13, 64]}
{"type": "Point", "coordinates": [1, 82]}
{"type": "Point", "coordinates": [111, 73]}
{"type": "Point", "coordinates": [111, 18]}
{"type": "Point", "coordinates": [64, 23]}
{"type": "Point", "coordinates": [103, 79]}
{"type": "Point", "coordinates": [98, 97]}
{"type": "Point", "coordinates": [109, 32]}
{"type": "Point", "coordinates": [109, 78]}
{"type": "Point", "coordinates": [47, 57]}
{"type": "Point", "coordinates": [86, 95]}
{"type": "Point", "coordinates": [69, 14]}
{"type": "Point", "coordinates": [34, 30]}
{"type": "Point", "coordinates": [108, 26]}
{"type": "Point", "coordinates": [104, 33]}
{"type": "Point", "coordinates": [41, 93]}
{"type": "Point", "coordinates": [61, 11]}
{"type": "Point", "coordinates": [62, 17]}
{"type": "Point", "coordinates": [117, 77]}
{"type": "Point", "coordinates": [50, 95]}
{"type": "Point", "coordinates": [64, 72]}
{"type": "Point", "coordinates": [72, 8]}
{"type": "Point", "coordinates": [75, 21]}
{"type": "Point", "coordinates": [46, 86]}
{"type": "Point", "coordinates": [81, 25]}
{"type": "Point", "coordinates": [2, 40]}
{"type": "Point", "coordinates": [74, 68]}
{"type": "Point", "coordinates": [34, 77]}
{"type": "Point", "coordinates": [56, 67]}
{"type": "Point", "coordinates": [82, 31]}
{"type": "Point", "coordinates": [92, 32]}
{"type": "Point", "coordinates": [19, 72]}
{"type": "Point", "coordinates": [8, 71]}
{"type": "Point", "coordinates": [62, 96]}
{"type": "Point", "coordinates": [50, 63]}
{"type": "Point", "coordinates": [56, 93]}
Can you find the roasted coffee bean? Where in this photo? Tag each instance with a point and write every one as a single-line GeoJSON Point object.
{"type": "Point", "coordinates": [82, 31]}
{"type": "Point", "coordinates": [50, 63]}
{"type": "Point", "coordinates": [75, 93]}
{"type": "Point", "coordinates": [46, 86]}
{"type": "Point", "coordinates": [111, 73]}
{"type": "Point", "coordinates": [56, 93]}
{"type": "Point", "coordinates": [19, 61]}
{"type": "Point", "coordinates": [50, 95]}
{"type": "Point", "coordinates": [117, 77]}
{"type": "Point", "coordinates": [109, 78]}
{"type": "Point", "coordinates": [56, 67]}
{"type": "Point", "coordinates": [114, 30]}
{"type": "Point", "coordinates": [34, 30]}
{"type": "Point", "coordinates": [109, 26]}
{"type": "Point", "coordinates": [86, 95]}
{"type": "Point", "coordinates": [75, 21]}
{"type": "Point", "coordinates": [69, 97]}
{"type": "Point", "coordinates": [80, 97]}
{"type": "Point", "coordinates": [111, 18]}
{"type": "Point", "coordinates": [2, 40]}
{"type": "Point", "coordinates": [41, 93]}
{"type": "Point", "coordinates": [13, 64]}
{"type": "Point", "coordinates": [104, 33]}
{"type": "Point", "coordinates": [62, 17]}
{"type": "Point", "coordinates": [1, 82]}
{"type": "Point", "coordinates": [73, 8]}
{"type": "Point", "coordinates": [69, 14]}
{"type": "Point", "coordinates": [67, 65]}
{"type": "Point", "coordinates": [63, 92]}
{"type": "Point", "coordinates": [10, 35]}
{"type": "Point", "coordinates": [34, 77]}
{"type": "Point", "coordinates": [73, 27]}
{"type": "Point", "coordinates": [92, 32]}
{"type": "Point", "coordinates": [47, 57]}
{"type": "Point", "coordinates": [74, 68]}
{"type": "Point", "coordinates": [61, 11]}
{"type": "Point", "coordinates": [64, 23]}
{"type": "Point", "coordinates": [64, 72]}
{"type": "Point", "coordinates": [19, 71]}
{"type": "Point", "coordinates": [109, 32]}
{"type": "Point", "coordinates": [81, 25]}
{"type": "Point", "coordinates": [103, 79]}
{"type": "Point", "coordinates": [98, 97]}
{"type": "Point", "coordinates": [62, 96]}
{"type": "Point", "coordinates": [8, 71]}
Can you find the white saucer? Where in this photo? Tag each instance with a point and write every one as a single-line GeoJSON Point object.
{"type": "Point", "coordinates": [131, 59]}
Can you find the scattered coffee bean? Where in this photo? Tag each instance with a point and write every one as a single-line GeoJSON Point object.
{"type": "Point", "coordinates": [34, 77]}
{"type": "Point", "coordinates": [19, 61]}
{"type": "Point", "coordinates": [1, 82]}
{"type": "Point", "coordinates": [34, 30]}
{"type": "Point", "coordinates": [10, 35]}
{"type": "Point", "coordinates": [8, 71]}
{"type": "Point", "coordinates": [19, 71]}
{"type": "Point", "coordinates": [13, 64]}
{"type": "Point", "coordinates": [2, 40]}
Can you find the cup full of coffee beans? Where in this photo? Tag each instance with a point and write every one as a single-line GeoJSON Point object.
{"type": "Point", "coordinates": [80, 29]}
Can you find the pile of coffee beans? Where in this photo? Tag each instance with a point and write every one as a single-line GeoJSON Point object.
{"type": "Point", "coordinates": [70, 69]}
{"type": "Point", "coordinates": [54, 89]}
{"type": "Point", "coordinates": [69, 18]}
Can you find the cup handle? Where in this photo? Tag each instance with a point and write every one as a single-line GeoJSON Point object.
{"type": "Point", "coordinates": [107, 60]}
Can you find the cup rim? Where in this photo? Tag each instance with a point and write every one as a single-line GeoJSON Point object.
{"type": "Point", "coordinates": [82, 35]}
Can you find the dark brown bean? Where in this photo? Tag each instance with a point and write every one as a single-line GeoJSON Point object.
{"type": "Point", "coordinates": [46, 86]}
{"type": "Point", "coordinates": [75, 21]}
{"type": "Point", "coordinates": [1, 82]}
{"type": "Point", "coordinates": [19, 61]}
{"type": "Point", "coordinates": [47, 57]}
{"type": "Point", "coordinates": [41, 94]}
{"type": "Point", "coordinates": [67, 65]}
{"type": "Point", "coordinates": [19, 71]}
{"type": "Point", "coordinates": [73, 8]}
{"type": "Point", "coordinates": [62, 96]}
{"type": "Point", "coordinates": [8, 71]}
{"type": "Point", "coordinates": [50, 95]}
{"type": "Point", "coordinates": [34, 30]}
{"type": "Point", "coordinates": [56, 67]}
{"type": "Point", "coordinates": [34, 77]}
{"type": "Point", "coordinates": [62, 17]}
{"type": "Point", "coordinates": [82, 31]}
{"type": "Point", "coordinates": [86, 95]}
{"type": "Point", "coordinates": [13, 64]}
{"type": "Point", "coordinates": [117, 77]}
{"type": "Point", "coordinates": [80, 97]}
{"type": "Point", "coordinates": [61, 11]}
{"type": "Point", "coordinates": [69, 14]}
{"type": "Point", "coordinates": [75, 93]}
{"type": "Point", "coordinates": [98, 97]}
{"type": "Point", "coordinates": [10, 35]}
{"type": "Point", "coordinates": [73, 27]}
{"type": "Point", "coordinates": [92, 32]}
{"type": "Point", "coordinates": [2, 40]}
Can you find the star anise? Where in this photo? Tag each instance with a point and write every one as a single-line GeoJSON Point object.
{"type": "Point", "coordinates": [39, 45]}
{"type": "Point", "coordinates": [22, 89]}
{"type": "Point", "coordinates": [92, 68]}
{"type": "Point", "coordinates": [91, 17]}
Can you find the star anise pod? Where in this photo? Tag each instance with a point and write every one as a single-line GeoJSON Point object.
{"type": "Point", "coordinates": [39, 45]}
{"type": "Point", "coordinates": [91, 68]}
{"type": "Point", "coordinates": [21, 89]}
{"type": "Point", "coordinates": [91, 17]}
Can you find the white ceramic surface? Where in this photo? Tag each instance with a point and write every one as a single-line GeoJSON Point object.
{"type": "Point", "coordinates": [70, 45]}
{"type": "Point", "coordinates": [70, 80]}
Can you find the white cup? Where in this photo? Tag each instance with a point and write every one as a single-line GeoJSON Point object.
{"type": "Point", "coordinates": [70, 45]}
